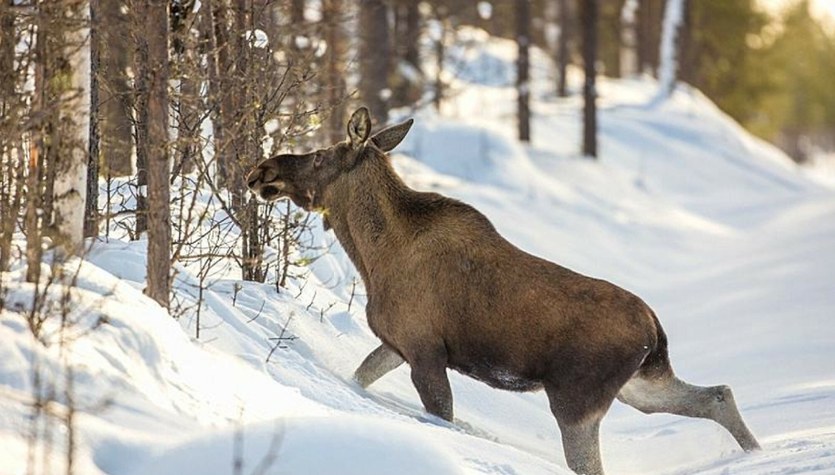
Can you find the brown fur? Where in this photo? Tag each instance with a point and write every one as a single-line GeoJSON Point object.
{"type": "Point", "coordinates": [445, 290]}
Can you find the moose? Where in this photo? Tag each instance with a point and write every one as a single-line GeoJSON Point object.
{"type": "Point", "coordinates": [445, 290]}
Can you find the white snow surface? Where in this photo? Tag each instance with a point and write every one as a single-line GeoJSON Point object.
{"type": "Point", "coordinates": [729, 242]}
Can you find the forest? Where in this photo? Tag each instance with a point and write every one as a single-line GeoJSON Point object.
{"type": "Point", "coordinates": [669, 131]}
{"type": "Point", "coordinates": [145, 93]}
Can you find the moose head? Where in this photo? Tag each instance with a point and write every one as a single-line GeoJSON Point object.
{"type": "Point", "coordinates": [303, 178]}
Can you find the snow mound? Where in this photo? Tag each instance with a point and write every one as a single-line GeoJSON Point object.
{"type": "Point", "coordinates": [350, 444]}
{"type": "Point", "coordinates": [469, 152]}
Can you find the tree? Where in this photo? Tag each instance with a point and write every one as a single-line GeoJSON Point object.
{"type": "Point", "coordinates": [589, 14]}
{"type": "Point", "coordinates": [523, 39]}
{"type": "Point", "coordinates": [12, 111]}
{"type": "Point", "coordinates": [629, 64]}
{"type": "Point", "coordinates": [115, 96]}
{"type": "Point", "coordinates": [648, 34]}
{"type": "Point", "coordinates": [335, 36]}
{"type": "Point", "coordinates": [187, 74]}
{"type": "Point", "coordinates": [152, 139]}
{"type": "Point", "coordinates": [668, 68]}
{"type": "Point", "coordinates": [441, 13]}
{"type": "Point", "coordinates": [609, 31]}
{"type": "Point", "coordinates": [406, 78]}
{"type": "Point", "coordinates": [564, 46]}
{"type": "Point", "coordinates": [67, 89]}
{"type": "Point", "coordinates": [91, 210]}
{"type": "Point", "coordinates": [375, 57]}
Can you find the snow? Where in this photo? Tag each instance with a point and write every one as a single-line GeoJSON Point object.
{"type": "Point", "coordinates": [729, 242]}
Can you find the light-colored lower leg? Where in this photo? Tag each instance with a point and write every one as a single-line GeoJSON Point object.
{"type": "Point", "coordinates": [379, 362]}
{"type": "Point", "coordinates": [672, 395]}
{"type": "Point", "coordinates": [581, 443]}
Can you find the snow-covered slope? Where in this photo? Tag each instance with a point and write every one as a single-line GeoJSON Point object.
{"type": "Point", "coordinates": [731, 244]}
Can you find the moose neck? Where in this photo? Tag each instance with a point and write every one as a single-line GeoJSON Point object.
{"type": "Point", "coordinates": [364, 207]}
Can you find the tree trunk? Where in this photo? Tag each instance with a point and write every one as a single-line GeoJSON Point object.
{"type": "Point", "coordinates": [411, 34]}
{"type": "Point", "coordinates": [564, 47]}
{"type": "Point", "coordinates": [589, 20]}
{"type": "Point", "coordinates": [223, 95]}
{"type": "Point", "coordinates": [141, 86]}
{"type": "Point", "coordinates": [9, 139]}
{"type": "Point", "coordinates": [333, 13]}
{"type": "Point", "coordinates": [440, 55]}
{"type": "Point", "coordinates": [629, 65]}
{"type": "Point", "coordinates": [375, 58]}
{"type": "Point", "coordinates": [115, 94]}
{"type": "Point", "coordinates": [668, 68]}
{"type": "Point", "coordinates": [91, 208]}
{"type": "Point", "coordinates": [34, 216]}
{"type": "Point", "coordinates": [153, 44]}
{"type": "Point", "coordinates": [71, 74]}
{"type": "Point", "coordinates": [649, 34]}
{"type": "Point", "coordinates": [523, 39]}
{"type": "Point", "coordinates": [406, 80]}
{"type": "Point", "coordinates": [688, 70]}
{"type": "Point", "coordinates": [186, 102]}
{"type": "Point", "coordinates": [246, 145]}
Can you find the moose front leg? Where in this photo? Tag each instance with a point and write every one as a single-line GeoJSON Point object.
{"type": "Point", "coordinates": [379, 362]}
{"type": "Point", "coordinates": [432, 384]}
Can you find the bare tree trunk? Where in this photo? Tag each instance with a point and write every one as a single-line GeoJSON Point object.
{"type": "Point", "coordinates": [335, 37]}
{"type": "Point", "coordinates": [649, 34]}
{"type": "Point", "coordinates": [142, 93]}
{"type": "Point", "coordinates": [32, 220]}
{"type": "Point", "coordinates": [440, 55]}
{"type": "Point", "coordinates": [668, 67]}
{"type": "Point", "coordinates": [73, 128]}
{"type": "Point", "coordinates": [186, 103]}
{"type": "Point", "coordinates": [564, 46]}
{"type": "Point", "coordinates": [222, 95]}
{"type": "Point", "coordinates": [411, 34]}
{"type": "Point", "coordinates": [115, 95]}
{"type": "Point", "coordinates": [375, 58]}
{"type": "Point", "coordinates": [406, 80]}
{"type": "Point", "coordinates": [91, 208]}
{"type": "Point", "coordinates": [688, 71]}
{"type": "Point", "coordinates": [153, 47]}
{"type": "Point", "coordinates": [628, 39]}
{"type": "Point", "coordinates": [523, 39]}
{"type": "Point", "coordinates": [246, 210]}
{"type": "Point", "coordinates": [589, 20]}
{"type": "Point", "coordinates": [9, 114]}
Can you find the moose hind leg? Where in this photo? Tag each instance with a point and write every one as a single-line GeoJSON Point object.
{"type": "Point", "coordinates": [379, 362]}
{"type": "Point", "coordinates": [580, 431]}
{"type": "Point", "coordinates": [666, 393]}
{"type": "Point", "coordinates": [581, 444]}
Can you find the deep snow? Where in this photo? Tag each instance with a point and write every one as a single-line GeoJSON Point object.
{"type": "Point", "coordinates": [730, 243]}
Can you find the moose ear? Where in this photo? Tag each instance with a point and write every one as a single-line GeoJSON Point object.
{"type": "Point", "coordinates": [390, 137]}
{"type": "Point", "coordinates": [359, 127]}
